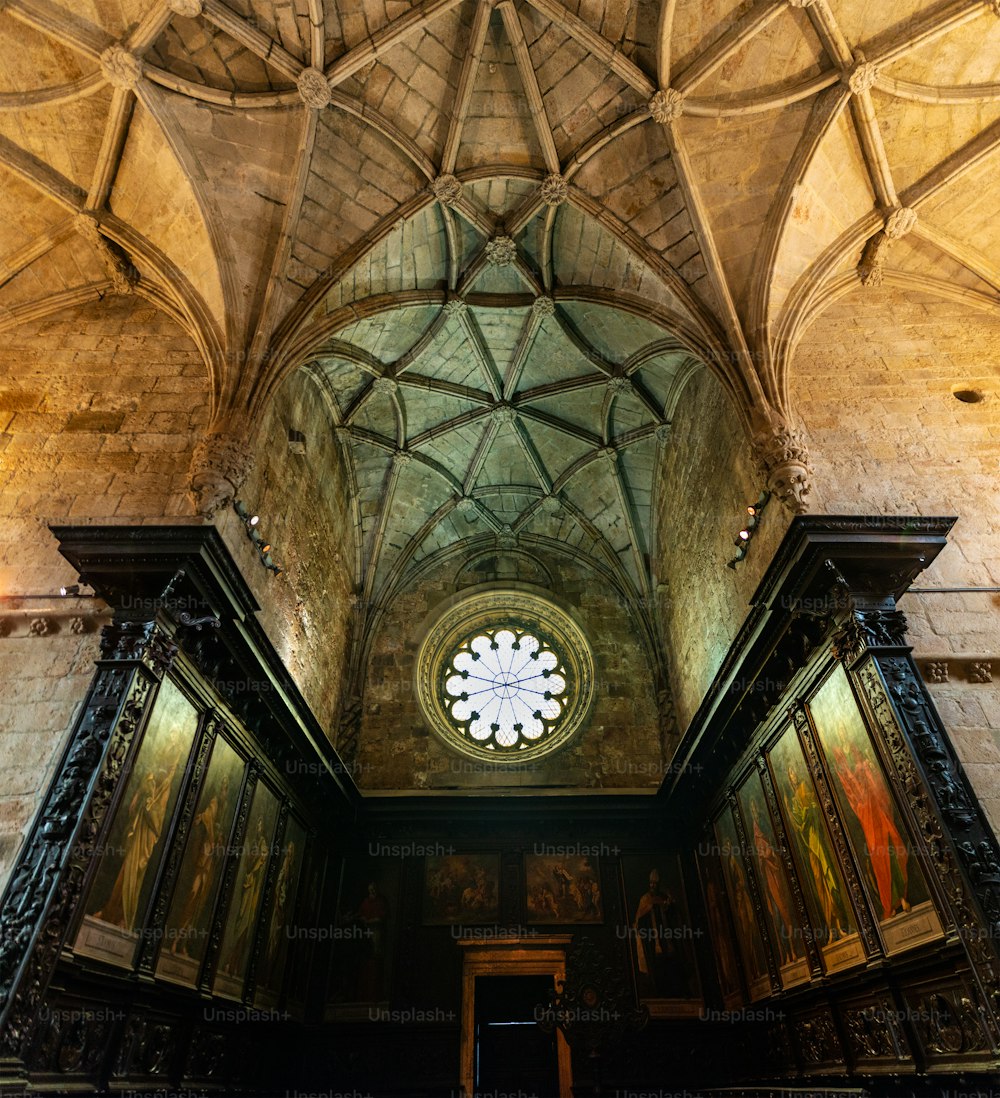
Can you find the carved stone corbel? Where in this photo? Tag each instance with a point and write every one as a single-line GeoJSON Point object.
{"type": "Point", "coordinates": [782, 458]}
{"type": "Point", "coordinates": [220, 466]}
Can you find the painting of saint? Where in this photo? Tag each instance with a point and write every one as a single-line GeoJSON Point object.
{"type": "Point", "coordinates": [787, 932]}
{"type": "Point", "coordinates": [661, 935]}
{"type": "Point", "coordinates": [189, 917]}
{"type": "Point", "coordinates": [136, 842]}
{"type": "Point", "coordinates": [749, 934]}
{"type": "Point", "coordinates": [279, 931]}
{"type": "Point", "coordinates": [364, 936]}
{"type": "Point", "coordinates": [563, 889]}
{"type": "Point", "coordinates": [244, 904]}
{"type": "Point", "coordinates": [823, 886]}
{"type": "Point", "coordinates": [894, 881]}
{"type": "Point", "coordinates": [461, 888]}
{"type": "Point", "coordinates": [723, 947]}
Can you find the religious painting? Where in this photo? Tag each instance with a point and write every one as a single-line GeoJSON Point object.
{"type": "Point", "coordinates": [767, 854]}
{"type": "Point", "coordinates": [563, 889]}
{"type": "Point", "coordinates": [723, 947]}
{"type": "Point", "coordinates": [280, 930]}
{"type": "Point", "coordinates": [661, 935]}
{"type": "Point", "coordinates": [461, 888]}
{"type": "Point", "coordinates": [749, 933]}
{"type": "Point", "coordinates": [831, 916]}
{"type": "Point", "coordinates": [189, 918]}
{"type": "Point", "coordinates": [136, 842]}
{"type": "Point", "coordinates": [364, 936]}
{"type": "Point", "coordinates": [248, 889]}
{"type": "Point", "coordinates": [890, 869]}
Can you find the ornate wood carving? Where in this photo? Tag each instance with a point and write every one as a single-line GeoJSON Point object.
{"type": "Point", "coordinates": [874, 1032]}
{"type": "Point", "coordinates": [45, 888]}
{"type": "Point", "coordinates": [817, 1039]}
{"type": "Point", "coordinates": [955, 835]}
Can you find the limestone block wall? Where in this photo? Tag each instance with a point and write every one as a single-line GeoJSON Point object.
{"type": "Point", "coordinates": [873, 383]}
{"type": "Point", "coordinates": [705, 482]}
{"type": "Point", "coordinates": [100, 407]}
{"type": "Point", "coordinates": [618, 748]}
{"type": "Point", "coordinates": [304, 507]}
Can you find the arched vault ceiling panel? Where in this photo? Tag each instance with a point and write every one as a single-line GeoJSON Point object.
{"type": "Point", "coordinates": [451, 358]}
{"type": "Point", "coordinates": [344, 379]}
{"type": "Point", "coordinates": [554, 358]}
{"type": "Point", "coordinates": [454, 527]}
{"type": "Point", "coordinates": [968, 55]}
{"type": "Point", "coordinates": [502, 195]}
{"type": "Point", "coordinates": [194, 49]}
{"type": "Point", "coordinates": [507, 504]}
{"type": "Point", "coordinates": [153, 194]}
{"type": "Point", "coordinates": [378, 416]}
{"type": "Point", "coordinates": [72, 263]}
{"type": "Point", "coordinates": [498, 128]}
{"type": "Point", "coordinates": [834, 193]}
{"type": "Point", "coordinates": [454, 450]}
{"type": "Point", "coordinates": [287, 22]}
{"type": "Point", "coordinates": [781, 55]}
{"type": "Point", "coordinates": [388, 336]}
{"type": "Point", "coordinates": [580, 408]}
{"type": "Point", "coordinates": [585, 253]}
{"type": "Point", "coordinates": [115, 16]}
{"type": "Point", "coordinates": [356, 178]}
{"type": "Point", "coordinates": [862, 21]}
{"type": "Point", "coordinates": [917, 256]}
{"type": "Point", "coordinates": [696, 25]}
{"type": "Point", "coordinates": [351, 23]}
{"type": "Point", "coordinates": [581, 97]}
{"type": "Point", "coordinates": [67, 137]}
{"type": "Point", "coordinates": [658, 375]}
{"type": "Point", "coordinates": [628, 413]}
{"type": "Point", "coordinates": [738, 165]}
{"type": "Point", "coordinates": [615, 334]}
{"type": "Point", "coordinates": [412, 256]}
{"type": "Point", "coordinates": [556, 449]}
{"type": "Point", "coordinates": [594, 492]}
{"type": "Point", "coordinates": [968, 207]}
{"type": "Point", "coordinates": [415, 82]}
{"type": "Point", "coordinates": [630, 25]}
{"type": "Point", "coordinates": [634, 177]}
{"type": "Point", "coordinates": [425, 410]}
{"type": "Point", "coordinates": [501, 330]}
{"type": "Point", "coordinates": [38, 61]}
{"type": "Point", "coordinates": [24, 213]}
{"type": "Point", "coordinates": [635, 466]}
{"type": "Point", "coordinates": [500, 280]}
{"type": "Point", "coordinates": [562, 527]}
{"type": "Point", "coordinates": [506, 463]}
{"type": "Point", "coordinates": [240, 163]}
{"type": "Point", "coordinates": [918, 136]}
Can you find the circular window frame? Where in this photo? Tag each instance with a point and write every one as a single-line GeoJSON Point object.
{"type": "Point", "coordinates": [490, 610]}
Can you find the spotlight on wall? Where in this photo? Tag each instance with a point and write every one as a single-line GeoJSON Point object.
{"type": "Point", "coordinates": [744, 537]}
{"type": "Point", "coordinates": [251, 522]}
{"type": "Point", "coordinates": [72, 589]}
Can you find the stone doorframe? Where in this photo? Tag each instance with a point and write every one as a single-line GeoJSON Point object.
{"type": "Point", "coordinates": [538, 955]}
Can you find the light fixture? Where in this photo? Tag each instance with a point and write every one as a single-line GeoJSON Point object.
{"type": "Point", "coordinates": [743, 538]}
{"type": "Point", "coordinates": [72, 589]}
{"type": "Point", "coordinates": [251, 522]}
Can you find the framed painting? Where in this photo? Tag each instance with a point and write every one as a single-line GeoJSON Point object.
{"type": "Point", "coordinates": [131, 854]}
{"type": "Point", "coordinates": [280, 931]}
{"type": "Point", "coordinates": [890, 868]}
{"type": "Point", "coordinates": [461, 888]}
{"type": "Point", "coordinates": [831, 915]}
{"type": "Point", "coordinates": [767, 854]}
{"type": "Point", "coordinates": [244, 904]}
{"type": "Point", "coordinates": [189, 917]}
{"type": "Point", "coordinates": [661, 935]}
{"type": "Point", "coordinates": [364, 936]}
{"type": "Point", "coordinates": [562, 889]}
{"type": "Point", "coordinates": [723, 946]}
{"type": "Point", "coordinates": [749, 932]}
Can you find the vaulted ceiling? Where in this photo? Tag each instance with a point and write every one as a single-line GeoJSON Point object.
{"type": "Point", "coordinates": [500, 236]}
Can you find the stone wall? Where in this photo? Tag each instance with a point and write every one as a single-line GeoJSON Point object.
{"type": "Point", "coordinates": [888, 436]}
{"type": "Point", "coordinates": [705, 482]}
{"type": "Point", "coordinates": [100, 407]}
{"type": "Point", "coordinates": [618, 748]}
{"type": "Point", "coordinates": [303, 503]}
